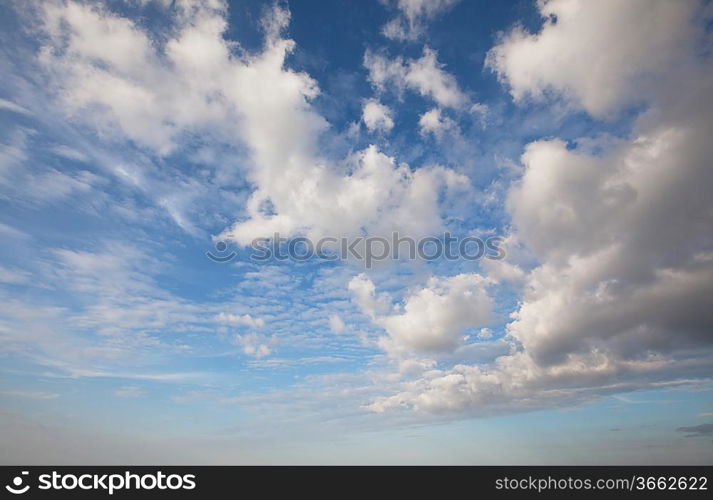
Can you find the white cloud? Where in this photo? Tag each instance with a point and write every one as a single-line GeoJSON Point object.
{"type": "Point", "coordinates": [365, 296]}
{"type": "Point", "coordinates": [409, 24]}
{"type": "Point", "coordinates": [256, 345]}
{"type": "Point", "coordinates": [433, 318]}
{"type": "Point", "coordinates": [424, 75]}
{"type": "Point", "coordinates": [482, 113]}
{"type": "Point", "coordinates": [336, 325]}
{"type": "Point", "coordinates": [113, 320]}
{"type": "Point", "coordinates": [70, 153]}
{"type": "Point", "coordinates": [377, 197]}
{"type": "Point", "coordinates": [15, 108]}
{"type": "Point", "coordinates": [485, 333]}
{"type": "Point", "coordinates": [503, 271]}
{"type": "Point", "coordinates": [625, 256]}
{"type": "Point", "coordinates": [619, 298]}
{"type": "Point", "coordinates": [39, 187]}
{"type": "Point", "coordinates": [13, 276]}
{"type": "Point", "coordinates": [376, 116]}
{"type": "Point", "coordinates": [597, 55]}
{"type": "Point", "coordinates": [433, 122]}
{"type": "Point", "coordinates": [236, 319]}
{"type": "Point", "coordinates": [123, 308]}
{"type": "Point", "coordinates": [194, 81]}
{"type": "Point", "coordinates": [515, 383]}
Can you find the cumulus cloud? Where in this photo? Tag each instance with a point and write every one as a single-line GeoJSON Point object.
{"type": "Point", "coordinates": [157, 90]}
{"type": "Point", "coordinates": [336, 325]}
{"type": "Point", "coordinates": [620, 296]}
{"type": "Point", "coordinates": [424, 75]}
{"type": "Point", "coordinates": [364, 295]}
{"type": "Point", "coordinates": [106, 63]}
{"type": "Point", "coordinates": [236, 319]}
{"type": "Point", "coordinates": [376, 197]}
{"type": "Point", "coordinates": [432, 318]}
{"type": "Point", "coordinates": [485, 333]}
{"type": "Point", "coordinates": [409, 24]}
{"type": "Point", "coordinates": [376, 116]}
{"type": "Point", "coordinates": [626, 259]}
{"type": "Point", "coordinates": [433, 122]}
{"type": "Point", "coordinates": [597, 55]}
{"type": "Point", "coordinates": [256, 345]}
{"type": "Point", "coordinates": [503, 271]}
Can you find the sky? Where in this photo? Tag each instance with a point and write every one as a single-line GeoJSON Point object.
{"type": "Point", "coordinates": [146, 145]}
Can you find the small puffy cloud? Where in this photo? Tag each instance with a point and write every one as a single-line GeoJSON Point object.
{"type": "Point", "coordinates": [409, 23]}
{"type": "Point", "coordinates": [481, 112]}
{"type": "Point", "coordinates": [364, 295]}
{"type": "Point", "coordinates": [485, 333]}
{"type": "Point", "coordinates": [424, 75]}
{"type": "Point", "coordinates": [433, 122]}
{"type": "Point", "coordinates": [597, 55]}
{"type": "Point", "coordinates": [256, 345]}
{"type": "Point", "coordinates": [376, 116]}
{"type": "Point", "coordinates": [236, 319]}
{"type": "Point", "coordinates": [336, 325]}
{"type": "Point", "coordinates": [432, 318]}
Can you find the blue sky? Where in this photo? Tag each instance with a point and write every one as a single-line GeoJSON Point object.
{"type": "Point", "coordinates": [136, 135]}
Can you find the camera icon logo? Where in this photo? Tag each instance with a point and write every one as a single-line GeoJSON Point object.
{"type": "Point", "coordinates": [16, 488]}
{"type": "Point", "coordinates": [221, 248]}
